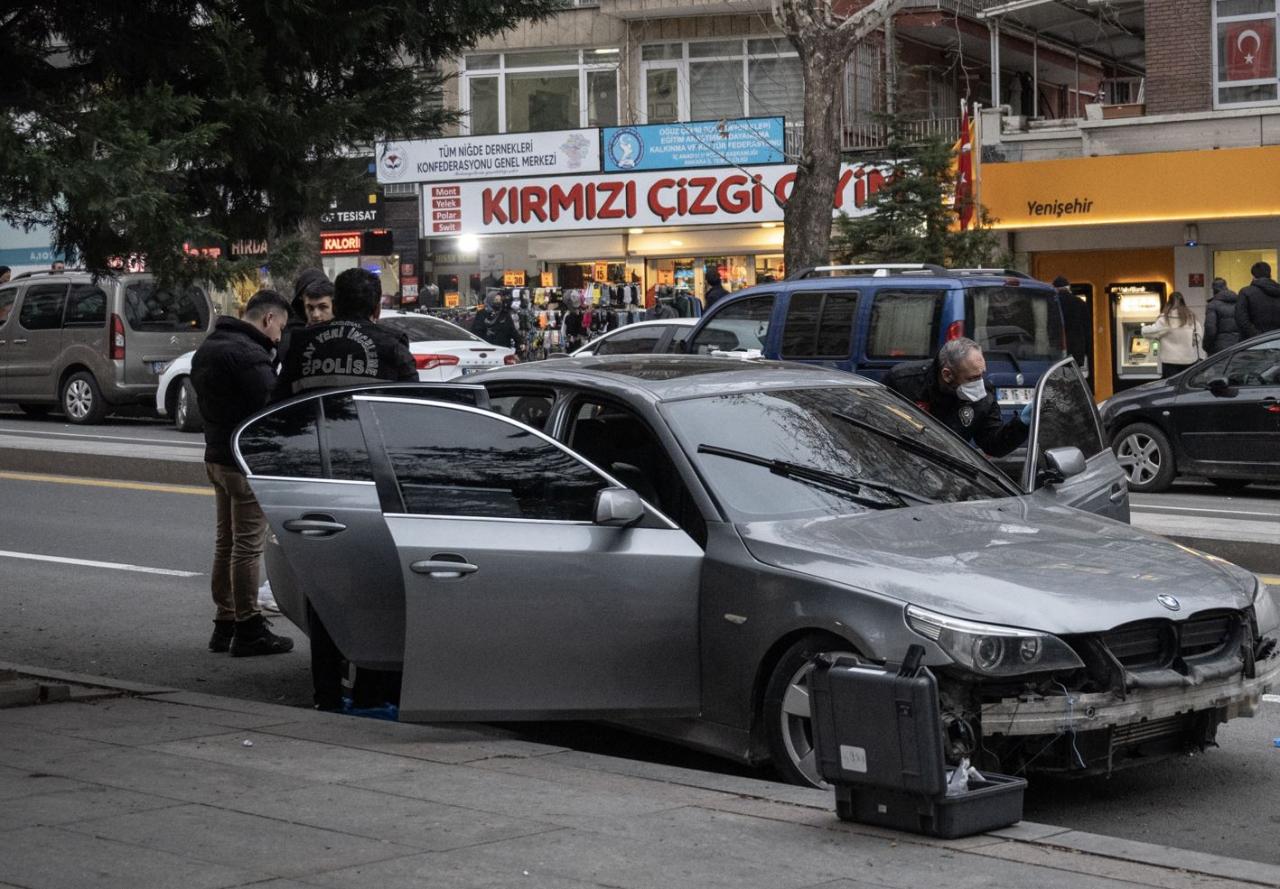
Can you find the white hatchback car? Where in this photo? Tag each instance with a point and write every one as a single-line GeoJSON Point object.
{"type": "Point", "coordinates": [641, 338]}
{"type": "Point", "coordinates": [441, 350]}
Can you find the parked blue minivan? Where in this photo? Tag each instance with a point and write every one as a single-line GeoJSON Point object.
{"type": "Point", "coordinates": [867, 318]}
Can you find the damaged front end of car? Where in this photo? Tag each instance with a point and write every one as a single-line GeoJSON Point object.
{"type": "Point", "coordinates": [1021, 701]}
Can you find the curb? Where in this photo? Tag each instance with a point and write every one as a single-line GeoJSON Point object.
{"type": "Point", "coordinates": [1045, 845]}
{"type": "Point", "coordinates": [106, 466]}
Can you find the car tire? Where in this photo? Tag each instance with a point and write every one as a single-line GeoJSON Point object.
{"type": "Point", "coordinates": [786, 710]}
{"type": "Point", "coordinates": [186, 409]}
{"type": "Point", "coordinates": [1231, 485]}
{"type": "Point", "coordinates": [35, 410]}
{"type": "Point", "coordinates": [1145, 454]}
{"type": "Point", "coordinates": [82, 399]}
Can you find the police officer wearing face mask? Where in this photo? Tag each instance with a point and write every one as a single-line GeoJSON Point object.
{"type": "Point", "coordinates": [953, 388]}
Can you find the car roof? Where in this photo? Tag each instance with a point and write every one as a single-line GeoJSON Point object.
{"type": "Point", "coordinates": [663, 378]}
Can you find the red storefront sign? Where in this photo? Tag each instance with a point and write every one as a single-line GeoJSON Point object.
{"type": "Point", "coordinates": [652, 199]}
{"type": "Point", "coordinates": [339, 243]}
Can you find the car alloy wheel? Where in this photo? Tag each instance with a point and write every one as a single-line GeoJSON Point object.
{"type": "Point", "coordinates": [790, 711]}
{"type": "Point", "coordinates": [1141, 458]}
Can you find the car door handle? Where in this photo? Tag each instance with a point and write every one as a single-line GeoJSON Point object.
{"type": "Point", "coordinates": [21, 342]}
{"type": "Point", "coordinates": [1119, 492]}
{"type": "Point", "coordinates": [443, 569]}
{"type": "Point", "coordinates": [314, 526]}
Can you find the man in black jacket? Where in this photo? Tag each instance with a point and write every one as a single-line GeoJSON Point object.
{"type": "Point", "coordinates": [953, 388]}
{"type": "Point", "coordinates": [1220, 328]}
{"type": "Point", "coordinates": [233, 378]}
{"type": "Point", "coordinates": [351, 349]}
{"type": "Point", "coordinates": [1258, 308]}
{"type": "Point", "coordinates": [715, 290]}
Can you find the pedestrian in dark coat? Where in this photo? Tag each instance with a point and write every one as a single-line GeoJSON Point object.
{"type": "Point", "coordinates": [1076, 321]}
{"type": "Point", "coordinates": [233, 377]}
{"type": "Point", "coordinates": [714, 289]}
{"type": "Point", "coordinates": [1220, 328]}
{"type": "Point", "coordinates": [954, 389]}
{"type": "Point", "coordinates": [1258, 308]}
{"type": "Point", "coordinates": [497, 326]}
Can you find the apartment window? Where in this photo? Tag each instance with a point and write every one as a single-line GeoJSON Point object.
{"type": "Point", "coordinates": [532, 90]}
{"type": "Point", "coordinates": [1245, 71]}
{"type": "Point", "coordinates": [714, 79]}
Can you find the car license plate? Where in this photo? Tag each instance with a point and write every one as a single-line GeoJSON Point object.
{"type": "Point", "coordinates": [1015, 396]}
{"type": "Point", "coordinates": [159, 367]}
{"type": "Point", "coordinates": [467, 371]}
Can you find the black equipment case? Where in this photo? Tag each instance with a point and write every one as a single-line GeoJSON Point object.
{"type": "Point", "coordinates": [878, 738]}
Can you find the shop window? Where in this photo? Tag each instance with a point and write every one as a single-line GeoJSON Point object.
{"type": "Point", "coordinates": [284, 444]}
{"type": "Point", "coordinates": [484, 105]}
{"type": "Point", "coordinates": [450, 462]}
{"type": "Point", "coordinates": [1244, 66]}
{"type": "Point", "coordinates": [42, 307]}
{"type": "Point", "coordinates": [713, 79]}
{"type": "Point", "coordinates": [542, 102]}
{"type": "Point", "coordinates": [904, 324]}
{"type": "Point", "coordinates": [662, 95]}
{"type": "Point", "coordinates": [602, 98]}
{"type": "Point", "coordinates": [819, 325]}
{"type": "Point", "coordinates": [86, 307]}
{"type": "Point", "coordinates": [1233, 266]}
{"type": "Point", "coordinates": [740, 326]}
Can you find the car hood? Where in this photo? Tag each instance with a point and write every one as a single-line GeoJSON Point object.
{"type": "Point", "coordinates": [1014, 562]}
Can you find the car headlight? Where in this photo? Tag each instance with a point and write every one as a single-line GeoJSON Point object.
{"type": "Point", "coordinates": [1265, 610]}
{"type": "Point", "coordinates": [993, 650]}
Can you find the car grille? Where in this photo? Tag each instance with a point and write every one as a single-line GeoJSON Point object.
{"type": "Point", "coordinates": [1151, 730]}
{"type": "Point", "coordinates": [1155, 644]}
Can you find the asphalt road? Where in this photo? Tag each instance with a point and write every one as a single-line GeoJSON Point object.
{"type": "Point", "coordinates": [152, 627]}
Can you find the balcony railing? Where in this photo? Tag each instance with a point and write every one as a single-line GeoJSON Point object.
{"type": "Point", "coordinates": [874, 135]}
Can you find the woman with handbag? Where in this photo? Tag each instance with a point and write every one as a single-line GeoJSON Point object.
{"type": "Point", "coordinates": [1180, 334]}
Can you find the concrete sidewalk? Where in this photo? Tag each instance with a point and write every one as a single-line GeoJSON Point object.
{"type": "Point", "coordinates": [131, 786]}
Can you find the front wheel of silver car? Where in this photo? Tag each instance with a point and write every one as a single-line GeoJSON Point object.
{"type": "Point", "coordinates": [788, 711]}
{"type": "Point", "coordinates": [82, 399]}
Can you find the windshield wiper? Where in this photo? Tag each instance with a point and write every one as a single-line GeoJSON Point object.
{"type": "Point", "coordinates": [846, 484]}
{"type": "Point", "coordinates": [934, 455]}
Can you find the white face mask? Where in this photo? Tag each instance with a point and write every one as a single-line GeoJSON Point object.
{"type": "Point", "coordinates": [974, 390]}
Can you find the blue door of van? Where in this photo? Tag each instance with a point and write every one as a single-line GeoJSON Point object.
{"type": "Point", "coordinates": [902, 324]}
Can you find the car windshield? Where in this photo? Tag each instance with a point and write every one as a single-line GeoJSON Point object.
{"type": "Point", "coordinates": [1014, 322]}
{"type": "Point", "coordinates": [422, 328]}
{"type": "Point", "coordinates": [840, 433]}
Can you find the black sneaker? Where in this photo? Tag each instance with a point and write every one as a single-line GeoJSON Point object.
{"type": "Point", "coordinates": [253, 637]}
{"type": "Point", "coordinates": [223, 630]}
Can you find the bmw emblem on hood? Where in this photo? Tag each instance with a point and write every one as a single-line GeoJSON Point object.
{"type": "Point", "coordinates": [1168, 602]}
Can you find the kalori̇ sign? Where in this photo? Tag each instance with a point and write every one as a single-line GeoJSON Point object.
{"type": "Point", "coordinates": [489, 157]}
{"type": "Point", "coordinates": [338, 243]}
{"type": "Point", "coordinates": [716, 196]}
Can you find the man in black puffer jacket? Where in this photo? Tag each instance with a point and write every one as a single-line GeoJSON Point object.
{"type": "Point", "coordinates": [1258, 309]}
{"type": "Point", "coordinates": [1220, 328]}
{"type": "Point", "coordinates": [233, 378]}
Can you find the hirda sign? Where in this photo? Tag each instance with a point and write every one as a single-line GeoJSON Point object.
{"type": "Point", "coordinates": [698, 197]}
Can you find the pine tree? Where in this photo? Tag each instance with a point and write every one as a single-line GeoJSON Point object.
{"type": "Point", "coordinates": [912, 217]}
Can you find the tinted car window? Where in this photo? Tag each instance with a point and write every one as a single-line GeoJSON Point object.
{"type": "Point", "coordinates": [285, 443]}
{"type": "Point", "coordinates": [904, 323]}
{"type": "Point", "coordinates": [1258, 365]}
{"type": "Point", "coordinates": [86, 306]}
{"type": "Point", "coordinates": [1019, 322]}
{"type": "Point", "coordinates": [450, 462]}
{"type": "Point", "coordinates": [532, 407]}
{"type": "Point", "coordinates": [6, 303]}
{"type": "Point", "coordinates": [819, 325]}
{"type": "Point", "coordinates": [42, 306]}
{"type": "Point", "coordinates": [1217, 369]}
{"type": "Point", "coordinates": [678, 335]}
{"type": "Point", "coordinates": [824, 429]}
{"type": "Point", "coordinates": [344, 444]}
{"type": "Point", "coordinates": [151, 308]}
{"type": "Point", "coordinates": [642, 341]}
{"type": "Point", "coordinates": [422, 328]}
{"type": "Point", "coordinates": [743, 324]}
{"type": "Point", "coordinates": [1066, 415]}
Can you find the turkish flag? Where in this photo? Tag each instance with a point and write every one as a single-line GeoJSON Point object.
{"type": "Point", "coordinates": [1251, 49]}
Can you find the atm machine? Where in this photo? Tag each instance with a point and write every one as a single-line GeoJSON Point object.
{"type": "Point", "coordinates": [1136, 358]}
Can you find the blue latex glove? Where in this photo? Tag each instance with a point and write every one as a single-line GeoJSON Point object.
{"type": "Point", "coordinates": [1026, 413]}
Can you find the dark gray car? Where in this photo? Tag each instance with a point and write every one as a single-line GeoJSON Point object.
{"type": "Point", "coordinates": [674, 538]}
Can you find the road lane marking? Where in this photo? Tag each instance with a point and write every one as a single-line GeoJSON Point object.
{"type": "Point", "coordinates": [1270, 579]}
{"type": "Point", "coordinates": [89, 563]}
{"type": "Point", "coordinates": [1142, 507]}
{"type": "Point", "coordinates": [107, 483]}
{"type": "Point", "coordinates": [38, 432]}
{"type": "Point", "coordinates": [1271, 699]}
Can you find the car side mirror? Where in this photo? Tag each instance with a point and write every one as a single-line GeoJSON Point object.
{"type": "Point", "coordinates": [618, 507]}
{"type": "Point", "coordinates": [1060, 464]}
{"type": "Point", "coordinates": [1222, 388]}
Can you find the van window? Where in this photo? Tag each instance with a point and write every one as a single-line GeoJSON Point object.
{"type": "Point", "coordinates": [161, 309]}
{"type": "Point", "coordinates": [86, 307]}
{"type": "Point", "coordinates": [6, 303]}
{"type": "Point", "coordinates": [819, 325]}
{"type": "Point", "coordinates": [1024, 323]}
{"type": "Point", "coordinates": [42, 306]}
{"type": "Point", "coordinates": [740, 325]}
{"type": "Point", "coordinates": [904, 323]}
